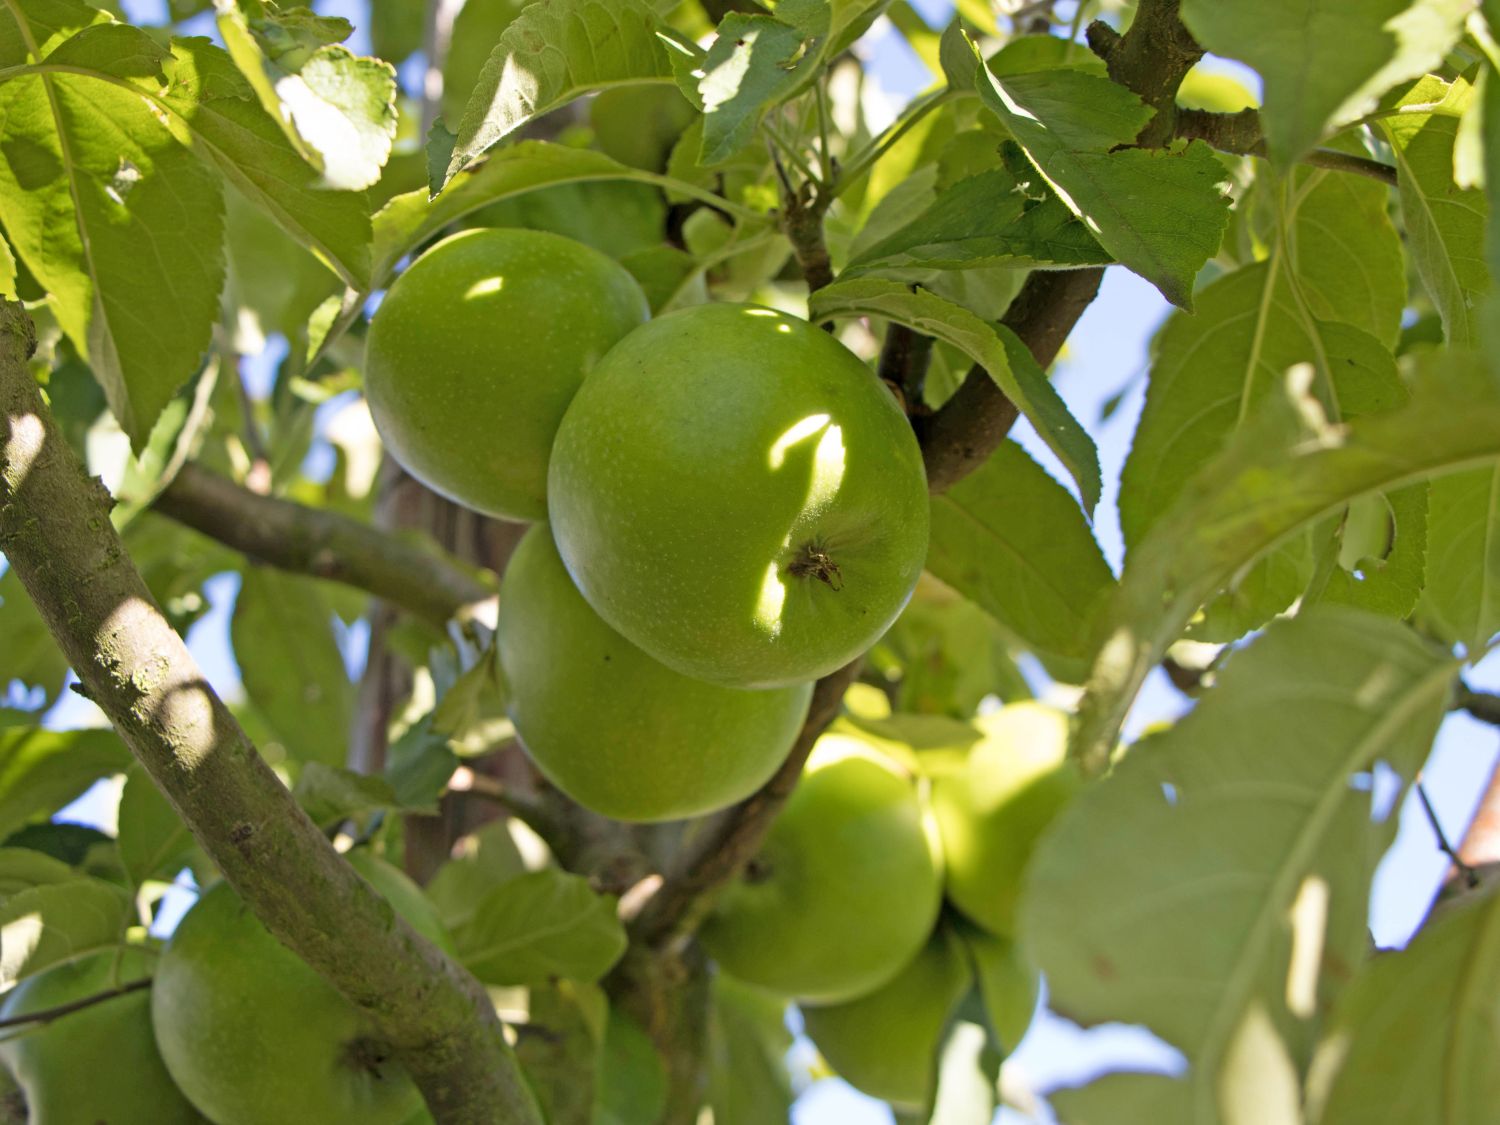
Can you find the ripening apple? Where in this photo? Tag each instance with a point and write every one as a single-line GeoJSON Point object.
{"type": "Point", "coordinates": [992, 809]}
{"type": "Point", "coordinates": [476, 351]}
{"type": "Point", "coordinates": [740, 496]}
{"type": "Point", "coordinates": [98, 1064]}
{"type": "Point", "coordinates": [255, 1037]}
{"type": "Point", "coordinates": [886, 1042]}
{"type": "Point", "coordinates": [619, 732]}
{"type": "Point", "coordinates": [846, 888]}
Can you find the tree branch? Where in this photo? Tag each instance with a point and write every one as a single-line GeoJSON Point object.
{"type": "Point", "coordinates": [681, 902]}
{"type": "Point", "coordinates": [1241, 133]}
{"type": "Point", "coordinates": [961, 434]}
{"type": "Point", "coordinates": [55, 531]}
{"type": "Point", "coordinates": [322, 544]}
{"type": "Point", "coordinates": [1482, 705]}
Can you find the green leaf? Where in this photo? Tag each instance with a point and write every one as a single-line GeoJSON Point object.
{"type": "Point", "coordinates": [336, 108]}
{"type": "Point", "coordinates": [755, 63]}
{"type": "Point", "coordinates": [748, 1082]}
{"type": "Point", "coordinates": [291, 666]}
{"type": "Point", "coordinates": [7, 270]}
{"type": "Point", "coordinates": [483, 861]}
{"type": "Point", "coordinates": [1159, 212]}
{"type": "Point", "coordinates": [1287, 471]}
{"type": "Point", "coordinates": [119, 222]}
{"type": "Point", "coordinates": [411, 219]}
{"type": "Point", "coordinates": [1445, 225]}
{"type": "Point", "coordinates": [476, 30]}
{"type": "Point", "coordinates": [1389, 580]}
{"type": "Point", "coordinates": [418, 766]}
{"type": "Point", "coordinates": [331, 794]}
{"type": "Point", "coordinates": [210, 107]}
{"type": "Point", "coordinates": [1462, 597]}
{"type": "Point", "coordinates": [1324, 65]}
{"type": "Point", "coordinates": [151, 835]}
{"type": "Point", "coordinates": [1213, 946]}
{"type": "Point", "coordinates": [43, 925]}
{"type": "Point", "coordinates": [21, 868]}
{"type": "Point", "coordinates": [1414, 1037]}
{"type": "Point", "coordinates": [29, 653]}
{"type": "Point", "coordinates": [1209, 372]}
{"type": "Point", "coordinates": [1012, 540]}
{"type": "Point", "coordinates": [1126, 1098]}
{"type": "Point", "coordinates": [551, 54]}
{"type": "Point", "coordinates": [996, 348]}
{"type": "Point", "coordinates": [985, 220]}
{"type": "Point", "coordinates": [218, 114]}
{"type": "Point", "coordinates": [538, 926]}
{"type": "Point", "coordinates": [632, 1083]}
{"type": "Point", "coordinates": [42, 770]}
{"type": "Point", "coordinates": [1345, 252]}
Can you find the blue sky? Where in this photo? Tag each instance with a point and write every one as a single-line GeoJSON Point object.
{"type": "Point", "coordinates": [1105, 355]}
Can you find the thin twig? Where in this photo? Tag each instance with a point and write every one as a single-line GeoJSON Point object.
{"type": "Point", "coordinates": [1240, 133]}
{"type": "Point", "coordinates": [1470, 877]}
{"type": "Point", "coordinates": [680, 903]}
{"type": "Point", "coordinates": [47, 1015]}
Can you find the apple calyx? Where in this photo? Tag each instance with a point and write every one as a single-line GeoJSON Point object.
{"type": "Point", "coordinates": [813, 560]}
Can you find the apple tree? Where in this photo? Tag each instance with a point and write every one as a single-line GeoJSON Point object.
{"type": "Point", "coordinates": [636, 405]}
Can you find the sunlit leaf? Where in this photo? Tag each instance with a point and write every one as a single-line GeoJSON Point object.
{"type": "Point", "coordinates": [1445, 225]}
{"type": "Point", "coordinates": [1216, 858]}
{"type": "Point", "coordinates": [1325, 64]}
{"type": "Point", "coordinates": [1414, 1039]}
{"type": "Point", "coordinates": [551, 54]}
{"type": "Point", "coordinates": [1279, 476]}
{"type": "Point", "coordinates": [43, 925]}
{"type": "Point", "coordinates": [1159, 212]}
{"type": "Point", "coordinates": [996, 349]}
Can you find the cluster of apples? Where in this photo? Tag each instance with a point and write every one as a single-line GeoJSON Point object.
{"type": "Point", "coordinates": [729, 504]}
{"type": "Point", "coordinates": [234, 1029]}
{"type": "Point", "coordinates": [844, 909]}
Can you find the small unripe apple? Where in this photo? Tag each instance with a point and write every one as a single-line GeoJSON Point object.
{"type": "Point", "coordinates": [740, 496]}
{"type": "Point", "coordinates": [886, 1042]}
{"type": "Point", "coordinates": [617, 731]}
{"type": "Point", "coordinates": [476, 351]}
{"type": "Point", "coordinates": [98, 1064]}
{"type": "Point", "coordinates": [844, 891]}
{"type": "Point", "coordinates": [255, 1037]}
{"type": "Point", "coordinates": [992, 810]}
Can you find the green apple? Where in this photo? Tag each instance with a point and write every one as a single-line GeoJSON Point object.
{"type": "Point", "coordinates": [991, 810]}
{"type": "Point", "coordinates": [476, 351]}
{"type": "Point", "coordinates": [617, 731]}
{"type": "Point", "coordinates": [886, 1042]}
{"type": "Point", "coordinates": [255, 1037]}
{"type": "Point", "coordinates": [846, 888]}
{"type": "Point", "coordinates": [740, 496]}
{"type": "Point", "coordinates": [98, 1064]}
{"type": "Point", "coordinates": [1008, 983]}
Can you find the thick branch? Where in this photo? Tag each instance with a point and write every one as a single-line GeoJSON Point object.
{"type": "Point", "coordinates": [1481, 704]}
{"type": "Point", "coordinates": [55, 531]}
{"type": "Point", "coordinates": [718, 857]}
{"type": "Point", "coordinates": [1240, 133]}
{"type": "Point", "coordinates": [965, 430]}
{"type": "Point", "coordinates": [1151, 60]}
{"type": "Point", "coordinates": [323, 544]}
